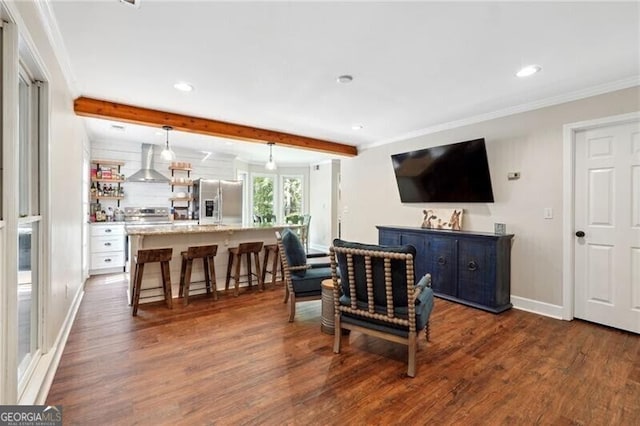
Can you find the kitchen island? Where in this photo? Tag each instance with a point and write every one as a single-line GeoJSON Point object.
{"type": "Point", "coordinates": [179, 237]}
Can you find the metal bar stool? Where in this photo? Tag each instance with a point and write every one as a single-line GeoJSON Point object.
{"type": "Point", "coordinates": [206, 253]}
{"type": "Point", "coordinates": [270, 249]}
{"type": "Point", "coordinates": [235, 257]}
{"type": "Point", "coordinates": [149, 256]}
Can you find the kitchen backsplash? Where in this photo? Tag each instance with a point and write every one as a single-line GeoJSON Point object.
{"type": "Point", "coordinates": [139, 194]}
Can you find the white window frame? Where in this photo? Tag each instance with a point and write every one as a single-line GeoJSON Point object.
{"type": "Point", "coordinates": [8, 293]}
{"type": "Point", "coordinates": [19, 49]}
{"type": "Point", "coordinates": [38, 122]}
{"type": "Point", "coordinates": [276, 190]}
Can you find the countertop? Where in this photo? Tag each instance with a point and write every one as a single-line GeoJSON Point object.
{"type": "Point", "coordinates": [194, 228]}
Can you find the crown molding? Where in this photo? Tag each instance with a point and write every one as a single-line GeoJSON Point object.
{"type": "Point", "coordinates": [517, 109]}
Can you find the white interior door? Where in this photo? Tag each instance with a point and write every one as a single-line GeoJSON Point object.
{"type": "Point", "coordinates": [607, 211]}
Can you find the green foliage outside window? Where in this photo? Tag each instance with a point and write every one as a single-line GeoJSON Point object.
{"type": "Point", "coordinates": [292, 199]}
{"type": "Point", "coordinates": [263, 196]}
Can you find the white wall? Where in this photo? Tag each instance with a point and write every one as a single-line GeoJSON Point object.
{"type": "Point", "coordinates": [323, 204]}
{"type": "Point", "coordinates": [530, 143]}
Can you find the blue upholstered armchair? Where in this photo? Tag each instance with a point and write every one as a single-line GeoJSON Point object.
{"type": "Point", "coordinates": [377, 295]}
{"type": "Point", "coordinates": [302, 280]}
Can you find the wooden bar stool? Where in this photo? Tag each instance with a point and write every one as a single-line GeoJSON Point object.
{"type": "Point", "coordinates": [269, 250]}
{"type": "Point", "coordinates": [235, 257]}
{"type": "Point", "coordinates": [206, 253]}
{"type": "Point", "coordinates": [148, 256]}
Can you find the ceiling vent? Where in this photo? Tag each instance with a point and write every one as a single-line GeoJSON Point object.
{"type": "Point", "coordinates": [132, 3]}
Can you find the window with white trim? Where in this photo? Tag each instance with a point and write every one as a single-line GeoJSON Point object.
{"type": "Point", "coordinates": [292, 199]}
{"type": "Point", "coordinates": [263, 198]}
{"type": "Point", "coordinates": [29, 221]}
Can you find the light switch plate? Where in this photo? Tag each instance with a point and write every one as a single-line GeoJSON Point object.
{"type": "Point", "coordinates": [500, 228]}
{"type": "Point", "coordinates": [548, 213]}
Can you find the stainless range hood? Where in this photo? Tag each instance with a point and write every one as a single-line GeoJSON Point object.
{"type": "Point", "coordinates": [147, 173]}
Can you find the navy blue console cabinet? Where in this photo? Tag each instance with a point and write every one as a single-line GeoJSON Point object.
{"type": "Point", "coordinates": [471, 268]}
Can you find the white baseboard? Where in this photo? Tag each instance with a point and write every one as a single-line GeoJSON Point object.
{"type": "Point", "coordinates": [40, 382]}
{"type": "Point", "coordinates": [537, 307]}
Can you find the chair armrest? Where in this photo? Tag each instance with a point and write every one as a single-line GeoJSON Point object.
{"type": "Point", "coordinates": [319, 265]}
{"type": "Point", "coordinates": [425, 282]}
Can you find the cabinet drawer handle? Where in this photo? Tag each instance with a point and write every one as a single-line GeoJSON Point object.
{"type": "Point", "coordinates": [442, 261]}
{"type": "Point", "coordinates": [107, 260]}
{"type": "Point", "coordinates": [472, 265]}
{"type": "Point", "coordinates": [107, 244]}
{"type": "Point", "coordinates": [107, 230]}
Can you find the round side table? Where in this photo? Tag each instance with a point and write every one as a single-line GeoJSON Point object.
{"type": "Point", "coordinates": [327, 324]}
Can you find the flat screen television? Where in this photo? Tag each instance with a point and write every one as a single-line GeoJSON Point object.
{"type": "Point", "coordinates": [457, 172]}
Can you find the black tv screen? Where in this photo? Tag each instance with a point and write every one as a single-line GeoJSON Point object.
{"type": "Point", "coordinates": [450, 173]}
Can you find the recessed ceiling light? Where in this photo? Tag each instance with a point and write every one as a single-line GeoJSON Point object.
{"type": "Point", "coordinates": [228, 143]}
{"type": "Point", "coordinates": [357, 127]}
{"type": "Point", "coordinates": [185, 87]}
{"type": "Point", "coordinates": [529, 70]}
{"type": "Point", "coordinates": [344, 79]}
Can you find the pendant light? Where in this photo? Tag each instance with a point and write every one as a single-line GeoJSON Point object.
{"type": "Point", "coordinates": [271, 165]}
{"type": "Point", "coordinates": [167, 154]}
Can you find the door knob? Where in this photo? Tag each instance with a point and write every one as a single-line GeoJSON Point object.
{"type": "Point", "coordinates": [580, 234]}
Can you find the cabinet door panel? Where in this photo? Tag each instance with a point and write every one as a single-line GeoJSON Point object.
{"type": "Point", "coordinates": [443, 265]}
{"type": "Point", "coordinates": [420, 263]}
{"type": "Point", "coordinates": [476, 271]}
{"type": "Point", "coordinates": [107, 260]}
{"type": "Point", "coordinates": [388, 238]}
{"type": "Point", "coordinates": [107, 244]}
{"type": "Point", "coordinates": [107, 230]}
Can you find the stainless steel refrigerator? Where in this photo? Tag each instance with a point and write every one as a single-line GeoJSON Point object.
{"type": "Point", "coordinates": [217, 201]}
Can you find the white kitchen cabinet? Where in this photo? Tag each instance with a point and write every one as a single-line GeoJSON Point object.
{"type": "Point", "coordinates": [107, 248]}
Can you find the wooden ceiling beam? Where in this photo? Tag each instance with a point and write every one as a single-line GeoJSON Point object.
{"type": "Point", "coordinates": [96, 108]}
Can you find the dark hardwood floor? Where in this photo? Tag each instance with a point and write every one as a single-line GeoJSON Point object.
{"type": "Point", "coordinates": [238, 361]}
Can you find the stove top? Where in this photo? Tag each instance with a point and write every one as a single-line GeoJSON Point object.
{"type": "Point", "coordinates": [146, 215]}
